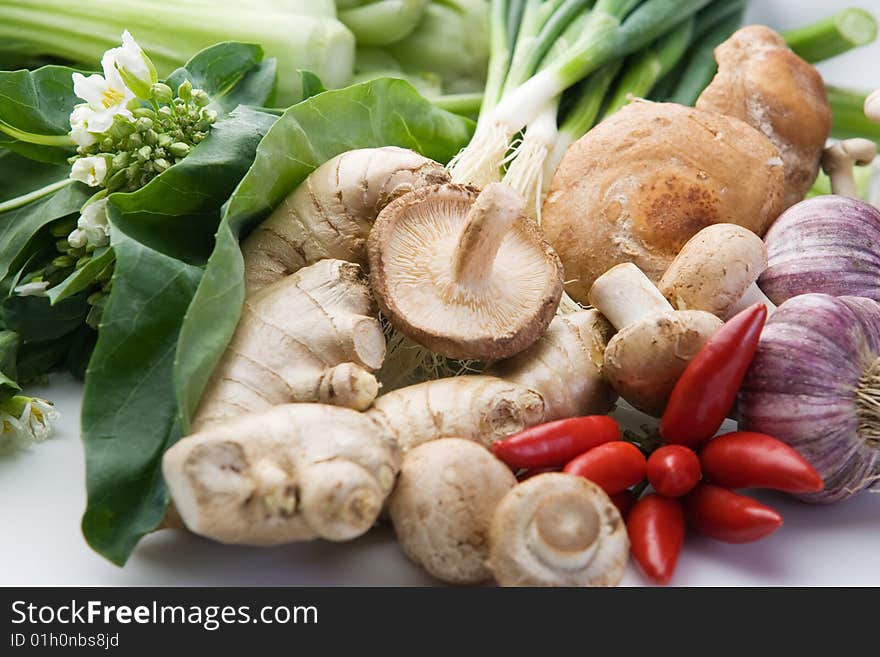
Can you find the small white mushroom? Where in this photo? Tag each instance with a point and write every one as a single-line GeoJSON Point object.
{"type": "Point", "coordinates": [464, 273]}
{"type": "Point", "coordinates": [442, 506]}
{"type": "Point", "coordinates": [839, 159]}
{"type": "Point", "coordinates": [654, 342]}
{"type": "Point", "coordinates": [716, 271]}
{"type": "Point", "coordinates": [557, 530]}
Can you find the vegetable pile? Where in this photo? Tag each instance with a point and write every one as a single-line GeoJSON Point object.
{"type": "Point", "coordinates": [296, 305]}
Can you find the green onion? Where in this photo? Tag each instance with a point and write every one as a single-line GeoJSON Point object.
{"type": "Point", "coordinates": [835, 35]}
{"type": "Point", "coordinates": [645, 69]}
{"type": "Point", "coordinates": [848, 115]}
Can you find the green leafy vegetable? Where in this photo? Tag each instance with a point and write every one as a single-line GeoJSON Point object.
{"type": "Point", "coordinates": [161, 234]}
{"type": "Point", "coordinates": [232, 74]}
{"type": "Point", "coordinates": [35, 112]}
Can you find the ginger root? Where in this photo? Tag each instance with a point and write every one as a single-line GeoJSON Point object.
{"type": "Point", "coordinates": [309, 337]}
{"type": "Point", "coordinates": [330, 214]}
{"type": "Point", "coordinates": [292, 473]}
{"type": "Point", "coordinates": [566, 366]}
{"type": "Point", "coordinates": [479, 408]}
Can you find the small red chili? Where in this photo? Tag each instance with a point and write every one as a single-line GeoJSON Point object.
{"type": "Point", "coordinates": [745, 459]}
{"type": "Point", "coordinates": [656, 533]}
{"type": "Point", "coordinates": [613, 467]}
{"type": "Point", "coordinates": [704, 394]}
{"type": "Point", "coordinates": [673, 470]}
{"type": "Point", "coordinates": [726, 516]}
{"type": "Point", "coordinates": [556, 443]}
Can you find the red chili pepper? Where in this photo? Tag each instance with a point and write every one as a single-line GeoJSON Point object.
{"type": "Point", "coordinates": [754, 460]}
{"type": "Point", "coordinates": [726, 516]}
{"type": "Point", "coordinates": [613, 467]}
{"type": "Point", "coordinates": [704, 394]}
{"type": "Point", "coordinates": [624, 501]}
{"type": "Point", "coordinates": [556, 443]}
{"type": "Point", "coordinates": [673, 470]}
{"type": "Point", "coordinates": [656, 533]}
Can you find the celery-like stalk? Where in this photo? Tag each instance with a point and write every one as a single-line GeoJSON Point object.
{"type": "Point", "coordinates": [173, 31]}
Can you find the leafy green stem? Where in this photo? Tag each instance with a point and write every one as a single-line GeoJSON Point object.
{"type": "Point", "coordinates": [24, 199]}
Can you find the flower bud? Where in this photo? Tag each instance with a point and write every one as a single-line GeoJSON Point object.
{"type": "Point", "coordinates": [162, 94]}
{"type": "Point", "coordinates": [143, 124]}
{"type": "Point", "coordinates": [135, 68]}
{"type": "Point", "coordinates": [184, 91]}
{"type": "Point", "coordinates": [200, 97]}
{"type": "Point", "coordinates": [165, 140]}
{"type": "Point", "coordinates": [144, 113]}
{"type": "Point", "coordinates": [120, 161]}
{"type": "Point", "coordinates": [161, 165]}
{"type": "Point", "coordinates": [151, 137]}
{"type": "Point", "coordinates": [135, 140]}
{"type": "Point", "coordinates": [179, 149]}
{"type": "Point", "coordinates": [144, 153]}
{"type": "Point", "coordinates": [63, 261]}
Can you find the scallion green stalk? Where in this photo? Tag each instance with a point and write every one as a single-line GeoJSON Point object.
{"type": "Point", "coordinates": [835, 35]}
{"type": "Point", "coordinates": [645, 69]}
{"type": "Point", "coordinates": [848, 114]}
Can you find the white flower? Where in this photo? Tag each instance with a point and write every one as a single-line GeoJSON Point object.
{"type": "Point", "coordinates": [25, 420]}
{"type": "Point", "coordinates": [92, 226]}
{"type": "Point", "coordinates": [90, 170]}
{"type": "Point", "coordinates": [106, 95]}
{"type": "Point", "coordinates": [134, 67]}
{"type": "Point", "coordinates": [33, 289]}
{"type": "Point", "coordinates": [38, 417]}
{"type": "Point", "coordinates": [79, 125]}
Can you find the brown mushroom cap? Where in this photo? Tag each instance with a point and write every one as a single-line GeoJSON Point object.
{"type": "Point", "coordinates": [714, 269]}
{"type": "Point", "coordinates": [639, 185]}
{"type": "Point", "coordinates": [644, 361]}
{"type": "Point", "coordinates": [442, 506]}
{"type": "Point", "coordinates": [464, 273]}
{"type": "Point", "coordinates": [761, 81]}
{"type": "Point", "coordinates": [557, 530]}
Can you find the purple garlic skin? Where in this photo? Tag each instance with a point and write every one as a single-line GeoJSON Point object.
{"type": "Point", "coordinates": [827, 244]}
{"type": "Point", "coordinates": [815, 385]}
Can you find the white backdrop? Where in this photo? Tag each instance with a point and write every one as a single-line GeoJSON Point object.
{"type": "Point", "coordinates": [43, 494]}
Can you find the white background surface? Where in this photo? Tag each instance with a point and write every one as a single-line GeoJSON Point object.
{"type": "Point", "coordinates": [42, 494]}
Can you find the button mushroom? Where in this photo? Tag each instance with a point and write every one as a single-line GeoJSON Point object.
{"type": "Point", "coordinates": [716, 272]}
{"type": "Point", "coordinates": [464, 273]}
{"type": "Point", "coordinates": [442, 505]}
{"type": "Point", "coordinates": [761, 81]}
{"type": "Point", "coordinates": [654, 342]}
{"type": "Point", "coordinates": [647, 179]}
{"type": "Point", "coordinates": [839, 159]}
{"type": "Point", "coordinates": [557, 530]}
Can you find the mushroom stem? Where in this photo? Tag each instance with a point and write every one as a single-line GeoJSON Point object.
{"type": "Point", "coordinates": [750, 297]}
{"type": "Point", "coordinates": [839, 159]}
{"type": "Point", "coordinates": [564, 533]}
{"type": "Point", "coordinates": [488, 221]}
{"type": "Point", "coordinates": [872, 107]}
{"type": "Point", "coordinates": [626, 296]}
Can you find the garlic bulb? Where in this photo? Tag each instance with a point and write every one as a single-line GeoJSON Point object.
{"type": "Point", "coordinates": [827, 244]}
{"type": "Point", "coordinates": [815, 384]}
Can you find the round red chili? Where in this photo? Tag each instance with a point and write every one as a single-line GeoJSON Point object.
{"type": "Point", "coordinates": [673, 470]}
{"type": "Point", "coordinates": [614, 467]}
{"type": "Point", "coordinates": [745, 459]}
